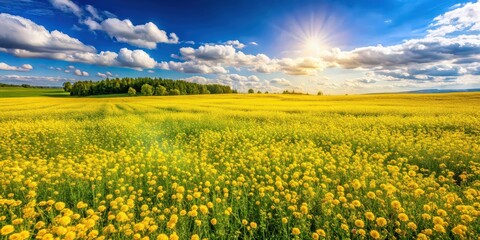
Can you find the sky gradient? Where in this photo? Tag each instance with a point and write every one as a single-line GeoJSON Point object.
{"type": "Point", "coordinates": [333, 46]}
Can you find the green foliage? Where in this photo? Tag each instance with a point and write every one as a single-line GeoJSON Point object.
{"type": "Point", "coordinates": [251, 91]}
{"type": "Point", "coordinates": [132, 91]}
{"type": "Point", "coordinates": [115, 86]}
{"type": "Point", "coordinates": [320, 93]}
{"type": "Point", "coordinates": [147, 90]}
{"type": "Point", "coordinates": [67, 86]}
{"type": "Point", "coordinates": [160, 91]}
{"type": "Point", "coordinates": [174, 92]}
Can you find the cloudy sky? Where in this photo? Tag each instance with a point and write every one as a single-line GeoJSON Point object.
{"type": "Point", "coordinates": [354, 46]}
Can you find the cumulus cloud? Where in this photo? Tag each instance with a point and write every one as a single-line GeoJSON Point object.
{"type": "Point", "coordinates": [20, 33]}
{"type": "Point", "coordinates": [145, 36]}
{"type": "Point", "coordinates": [415, 51]}
{"type": "Point", "coordinates": [67, 6]}
{"type": "Point", "coordinates": [215, 56]}
{"type": "Point", "coordinates": [23, 68]}
{"type": "Point", "coordinates": [23, 38]}
{"type": "Point", "coordinates": [450, 49]}
{"type": "Point", "coordinates": [462, 18]}
{"type": "Point", "coordinates": [81, 73]}
{"type": "Point", "coordinates": [235, 44]}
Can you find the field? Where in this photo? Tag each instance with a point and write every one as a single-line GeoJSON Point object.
{"type": "Point", "coordinates": [241, 167]}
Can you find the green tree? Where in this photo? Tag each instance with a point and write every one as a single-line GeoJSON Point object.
{"type": "Point", "coordinates": [259, 92]}
{"type": "Point", "coordinates": [160, 91]}
{"type": "Point", "coordinates": [146, 90]}
{"type": "Point", "coordinates": [320, 93]}
{"type": "Point", "coordinates": [251, 91]}
{"type": "Point", "coordinates": [67, 86]}
{"type": "Point", "coordinates": [132, 91]}
{"type": "Point", "coordinates": [174, 92]}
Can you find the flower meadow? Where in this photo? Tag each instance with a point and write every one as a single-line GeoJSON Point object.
{"type": "Point", "coordinates": [241, 167]}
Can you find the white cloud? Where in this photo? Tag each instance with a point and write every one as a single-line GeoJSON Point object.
{"type": "Point", "coordinates": [93, 12]}
{"type": "Point", "coordinates": [135, 59]}
{"type": "Point", "coordinates": [20, 33]}
{"type": "Point", "coordinates": [23, 38]}
{"type": "Point", "coordinates": [253, 43]}
{"type": "Point", "coordinates": [145, 36]}
{"type": "Point", "coordinates": [227, 56]}
{"type": "Point", "coordinates": [198, 79]}
{"type": "Point", "coordinates": [462, 18]}
{"type": "Point", "coordinates": [67, 6]}
{"type": "Point", "coordinates": [102, 75]}
{"type": "Point", "coordinates": [23, 68]}
{"type": "Point", "coordinates": [235, 43]}
{"type": "Point", "coordinates": [81, 73]}
{"type": "Point", "coordinates": [282, 82]}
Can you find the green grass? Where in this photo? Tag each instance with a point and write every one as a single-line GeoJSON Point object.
{"type": "Point", "coordinates": [8, 92]}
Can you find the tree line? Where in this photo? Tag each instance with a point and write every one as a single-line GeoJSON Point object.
{"type": "Point", "coordinates": [146, 86]}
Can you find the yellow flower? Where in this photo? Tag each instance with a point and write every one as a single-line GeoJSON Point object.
{"type": "Point", "coordinates": [162, 237]}
{"type": "Point", "coordinates": [195, 237]}
{"type": "Point", "coordinates": [381, 222]}
{"type": "Point", "coordinates": [359, 223]}
{"type": "Point", "coordinates": [396, 204]}
{"type": "Point", "coordinates": [403, 217]}
{"type": "Point", "coordinates": [15, 236]}
{"type": "Point", "coordinates": [439, 228]}
{"type": "Point", "coordinates": [422, 236]}
{"type": "Point", "coordinates": [59, 205]}
{"type": "Point", "coordinates": [295, 231]}
{"type": "Point", "coordinates": [459, 230]}
{"type": "Point", "coordinates": [412, 226]}
{"type": "Point", "coordinates": [61, 230]}
{"type": "Point", "coordinates": [253, 225]}
{"type": "Point", "coordinates": [321, 232]}
{"type": "Point", "coordinates": [25, 234]}
{"type": "Point", "coordinates": [173, 236]}
{"type": "Point", "coordinates": [139, 227]}
{"type": "Point", "coordinates": [7, 229]}
{"type": "Point", "coordinates": [203, 209]}
{"type": "Point", "coordinates": [213, 221]}
{"type": "Point", "coordinates": [70, 236]}
{"type": "Point", "coordinates": [371, 195]}
{"type": "Point", "coordinates": [284, 220]}
{"type": "Point", "coordinates": [65, 220]}
{"type": "Point", "coordinates": [375, 234]}
{"type": "Point", "coordinates": [17, 221]}
{"type": "Point", "coordinates": [121, 217]}
{"type": "Point", "coordinates": [370, 216]}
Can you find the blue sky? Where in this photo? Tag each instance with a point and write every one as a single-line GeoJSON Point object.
{"type": "Point", "coordinates": [333, 46]}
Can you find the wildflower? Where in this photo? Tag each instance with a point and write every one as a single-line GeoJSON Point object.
{"type": "Point", "coordinates": [7, 229]}
{"type": "Point", "coordinates": [375, 234]}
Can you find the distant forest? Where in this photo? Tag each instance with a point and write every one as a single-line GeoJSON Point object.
{"type": "Point", "coordinates": [144, 86]}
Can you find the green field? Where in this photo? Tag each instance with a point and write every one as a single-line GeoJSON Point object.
{"type": "Point", "coordinates": [7, 92]}
{"type": "Point", "coordinates": [240, 166]}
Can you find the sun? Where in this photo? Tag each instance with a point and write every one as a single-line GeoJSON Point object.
{"type": "Point", "coordinates": [311, 35]}
{"type": "Point", "coordinates": [313, 45]}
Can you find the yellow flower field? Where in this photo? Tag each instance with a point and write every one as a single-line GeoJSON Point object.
{"type": "Point", "coordinates": [241, 167]}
